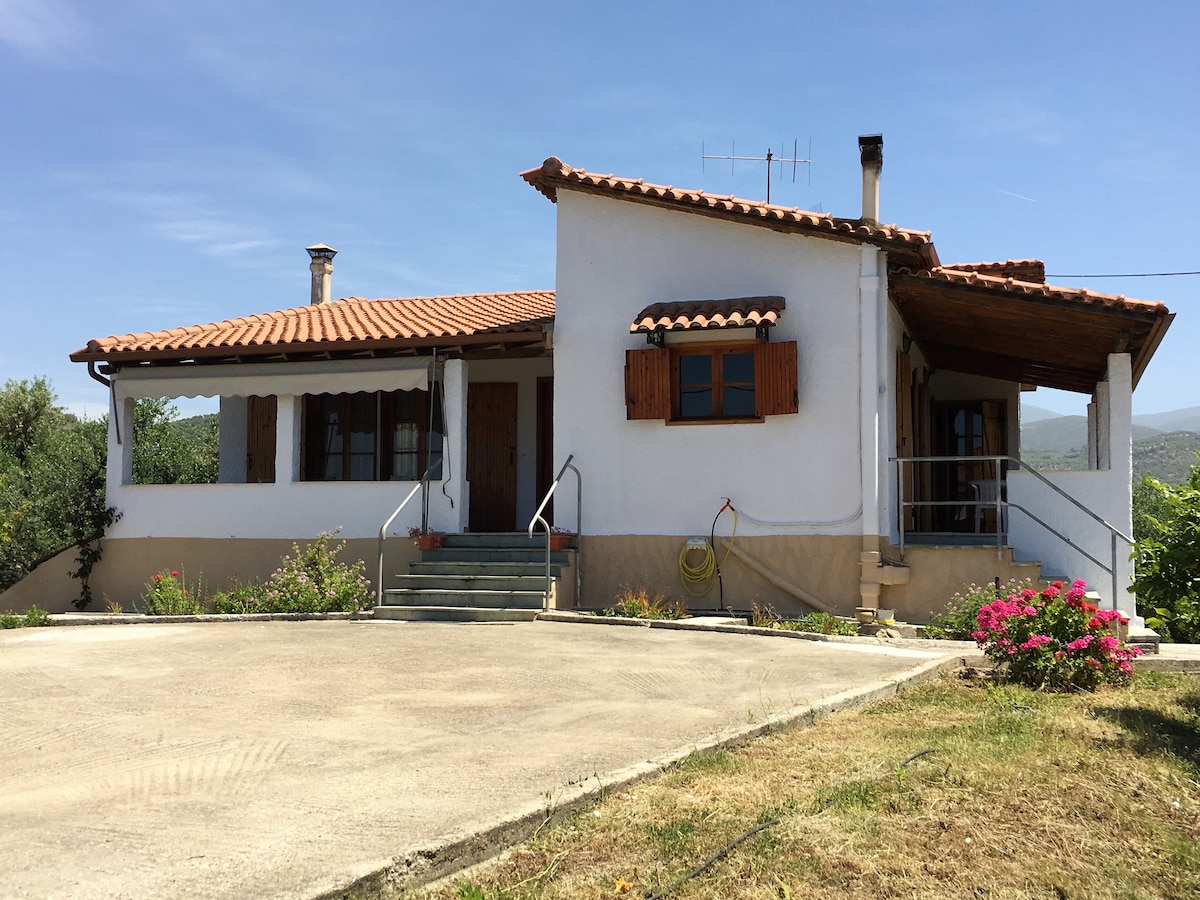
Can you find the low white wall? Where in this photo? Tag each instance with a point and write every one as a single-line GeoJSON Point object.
{"type": "Point", "coordinates": [1102, 493]}
{"type": "Point", "coordinates": [293, 510]}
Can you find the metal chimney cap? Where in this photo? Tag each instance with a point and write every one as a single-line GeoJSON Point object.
{"type": "Point", "coordinates": [321, 251]}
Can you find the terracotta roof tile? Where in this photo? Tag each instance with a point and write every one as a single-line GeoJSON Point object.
{"type": "Point", "coordinates": [1095, 299]}
{"type": "Point", "coordinates": [1020, 269]}
{"type": "Point", "coordinates": [353, 320]}
{"type": "Point", "coordinates": [697, 314]}
{"type": "Point", "coordinates": [554, 174]}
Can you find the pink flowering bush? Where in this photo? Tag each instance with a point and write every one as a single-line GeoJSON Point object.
{"type": "Point", "coordinates": [312, 580]}
{"type": "Point", "coordinates": [1055, 639]}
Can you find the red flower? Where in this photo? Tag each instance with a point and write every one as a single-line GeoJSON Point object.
{"type": "Point", "coordinates": [174, 574]}
{"type": "Point", "coordinates": [158, 577]}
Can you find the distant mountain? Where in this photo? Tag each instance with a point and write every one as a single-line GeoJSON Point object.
{"type": "Point", "coordinates": [1063, 434]}
{"type": "Point", "coordinates": [1031, 413]}
{"type": "Point", "coordinates": [1175, 420]}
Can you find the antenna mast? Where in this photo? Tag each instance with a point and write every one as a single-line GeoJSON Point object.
{"type": "Point", "coordinates": [768, 159]}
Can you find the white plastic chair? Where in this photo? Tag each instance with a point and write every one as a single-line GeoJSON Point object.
{"type": "Point", "coordinates": [985, 495]}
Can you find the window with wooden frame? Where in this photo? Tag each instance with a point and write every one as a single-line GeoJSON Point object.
{"type": "Point", "coordinates": [718, 382]}
{"type": "Point", "coordinates": [371, 436]}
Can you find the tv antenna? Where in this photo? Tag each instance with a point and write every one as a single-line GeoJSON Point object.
{"type": "Point", "coordinates": [769, 159]}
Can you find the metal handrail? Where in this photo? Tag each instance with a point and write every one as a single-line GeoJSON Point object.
{"type": "Point", "coordinates": [384, 527]}
{"type": "Point", "coordinates": [537, 517]}
{"type": "Point", "coordinates": [1000, 504]}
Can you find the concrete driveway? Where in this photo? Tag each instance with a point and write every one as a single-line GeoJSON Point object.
{"type": "Point", "coordinates": [285, 759]}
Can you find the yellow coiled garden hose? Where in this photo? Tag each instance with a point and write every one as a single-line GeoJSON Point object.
{"type": "Point", "coordinates": [703, 573]}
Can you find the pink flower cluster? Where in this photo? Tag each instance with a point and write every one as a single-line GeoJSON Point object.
{"type": "Point", "coordinates": [1054, 639]}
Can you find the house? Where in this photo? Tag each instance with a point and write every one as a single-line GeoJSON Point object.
{"type": "Point", "coordinates": [824, 385]}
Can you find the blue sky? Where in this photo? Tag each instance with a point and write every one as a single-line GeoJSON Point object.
{"type": "Point", "coordinates": [166, 163]}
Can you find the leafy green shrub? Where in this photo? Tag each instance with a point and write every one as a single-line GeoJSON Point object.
{"type": "Point", "coordinates": [820, 623]}
{"type": "Point", "coordinates": [167, 595]}
{"type": "Point", "coordinates": [11, 620]}
{"type": "Point", "coordinates": [1054, 640]}
{"type": "Point", "coordinates": [1167, 560]}
{"type": "Point", "coordinates": [958, 621]}
{"type": "Point", "coordinates": [239, 599]}
{"type": "Point", "coordinates": [36, 617]}
{"type": "Point", "coordinates": [813, 622]}
{"type": "Point", "coordinates": [639, 603]}
{"type": "Point", "coordinates": [312, 580]}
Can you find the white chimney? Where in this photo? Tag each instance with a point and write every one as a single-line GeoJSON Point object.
{"type": "Point", "coordinates": [870, 151]}
{"type": "Point", "coordinates": [322, 272]}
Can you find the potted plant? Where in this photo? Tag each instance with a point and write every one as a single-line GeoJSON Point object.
{"type": "Point", "coordinates": [560, 538]}
{"type": "Point", "coordinates": [426, 539]}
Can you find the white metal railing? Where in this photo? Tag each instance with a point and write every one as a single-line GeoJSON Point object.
{"type": "Point", "coordinates": [384, 527]}
{"type": "Point", "coordinates": [1001, 505]}
{"type": "Point", "coordinates": [537, 517]}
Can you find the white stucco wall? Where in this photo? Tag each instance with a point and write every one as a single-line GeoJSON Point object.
{"type": "Point", "coordinates": [646, 477]}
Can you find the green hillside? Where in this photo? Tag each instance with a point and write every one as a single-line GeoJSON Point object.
{"type": "Point", "coordinates": [1168, 457]}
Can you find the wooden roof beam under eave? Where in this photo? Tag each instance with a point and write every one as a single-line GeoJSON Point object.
{"type": "Point", "coordinates": [1044, 373]}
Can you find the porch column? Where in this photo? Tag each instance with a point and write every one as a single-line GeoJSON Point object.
{"type": "Point", "coordinates": [287, 440]}
{"type": "Point", "coordinates": [120, 456]}
{"type": "Point", "coordinates": [231, 461]}
{"type": "Point", "coordinates": [454, 465]}
{"type": "Point", "coordinates": [1118, 416]}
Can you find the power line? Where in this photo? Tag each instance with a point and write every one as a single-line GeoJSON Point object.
{"type": "Point", "coordinates": [1128, 275]}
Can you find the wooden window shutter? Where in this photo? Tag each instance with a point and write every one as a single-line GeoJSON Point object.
{"type": "Point", "coordinates": [647, 384]}
{"type": "Point", "coordinates": [778, 378]}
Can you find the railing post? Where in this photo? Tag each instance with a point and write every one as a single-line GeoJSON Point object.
{"type": "Point", "coordinates": [1113, 539]}
{"type": "Point", "coordinates": [902, 521]}
{"type": "Point", "coordinates": [999, 517]}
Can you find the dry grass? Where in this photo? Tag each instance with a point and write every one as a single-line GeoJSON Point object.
{"type": "Point", "coordinates": [1025, 795]}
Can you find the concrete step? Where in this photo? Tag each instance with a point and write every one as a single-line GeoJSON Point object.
{"type": "Point", "coordinates": [481, 599]}
{"type": "Point", "coordinates": [518, 539]}
{"type": "Point", "coordinates": [505, 569]}
{"type": "Point", "coordinates": [442, 581]}
{"type": "Point", "coordinates": [495, 554]}
{"type": "Point", "coordinates": [454, 614]}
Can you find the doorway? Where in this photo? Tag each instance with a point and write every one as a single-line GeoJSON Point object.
{"type": "Point", "coordinates": [492, 455]}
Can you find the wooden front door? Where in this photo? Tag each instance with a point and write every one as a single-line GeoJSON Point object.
{"type": "Point", "coordinates": [492, 455]}
{"type": "Point", "coordinates": [260, 439]}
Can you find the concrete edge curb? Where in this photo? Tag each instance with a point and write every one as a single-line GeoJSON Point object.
{"type": "Point", "coordinates": [460, 850]}
{"type": "Point", "coordinates": [727, 627]}
{"type": "Point", "coordinates": [67, 619]}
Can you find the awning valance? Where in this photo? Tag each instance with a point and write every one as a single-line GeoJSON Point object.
{"type": "Point", "coordinates": [273, 379]}
{"type": "Point", "coordinates": [694, 315]}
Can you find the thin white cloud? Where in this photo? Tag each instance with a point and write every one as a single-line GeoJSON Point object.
{"type": "Point", "coordinates": [43, 28]}
{"type": "Point", "coordinates": [1011, 194]}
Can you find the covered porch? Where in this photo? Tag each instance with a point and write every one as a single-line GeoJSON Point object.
{"type": "Point", "coordinates": [972, 339]}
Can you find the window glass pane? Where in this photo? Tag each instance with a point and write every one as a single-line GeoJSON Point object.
{"type": "Point", "coordinates": [737, 400]}
{"type": "Point", "coordinates": [362, 467]}
{"type": "Point", "coordinates": [362, 423]}
{"type": "Point", "coordinates": [404, 467]}
{"type": "Point", "coordinates": [695, 370]}
{"type": "Point", "coordinates": [737, 367]}
{"type": "Point", "coordinates": [333, 467]}
{"type": "Point", "coordinates": [695, 402]}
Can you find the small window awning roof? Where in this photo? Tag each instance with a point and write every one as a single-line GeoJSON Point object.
{"type": "Point", "coordinates": [695, 315]}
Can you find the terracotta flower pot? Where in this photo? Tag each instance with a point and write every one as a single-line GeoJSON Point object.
{"type": "Point", "coordinates": [560, 541]}
{"type": "Point", "coordinates": [430, 541]}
